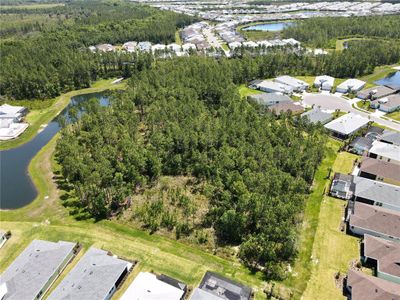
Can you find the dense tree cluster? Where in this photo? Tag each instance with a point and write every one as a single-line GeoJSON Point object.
{"type": "Point", "coordinates": [323, 32]}
{"type": "Point", "coordinates": [185, 117]}
{"type": "Point", "coordinates": [58, 59]}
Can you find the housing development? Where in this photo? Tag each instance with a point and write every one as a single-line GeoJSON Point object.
{"type": "Point", "coordinates": [199, 150]}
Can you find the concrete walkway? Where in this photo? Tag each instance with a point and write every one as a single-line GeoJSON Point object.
{"type": "Point", "coordinates": [333, 102]}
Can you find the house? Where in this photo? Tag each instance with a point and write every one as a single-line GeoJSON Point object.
{"type": "Point", "coordinates": [96, 276]}
{"type": "Point", "coordinates": [11, 114]}
{"type": "Point", "coordinates": [273, 87]}
{"type": "Point", "coordinates": [386, 152]}
{"type": "Point", "coordinates": [390, 137]}
{"type": "Point", "coordinates": [374, 132]}
{"type": "Point", "coordinates": [379, 170]}
{"type": "Point", "coordinates": [376, 193]}
{"type": "Point", "coordinates": [374, 220]}
{"type": "Point", "coordinates": [342, 186]}
{"type": "Point", "coordinates": [148, 286]}
{"type": "Point", "coordinates": [324, 82]}
{"type": "Point", "coordinates": [350, 85]}
{"type": "Point", "coordinates": [144, 46]}
{"type": "Point", "coordinates": [297, 84]}
{"type": "Point", "coordinates": [346, 125]}
{"type": "Point", "coordinates": [383, 255]}
{"type": "Point", "coordinates": [268, 99]}
{"type": "Point", "coordinates": [234, 45]}
{"type": "Point", "coordinates": [360, 145]}
{"type": "Point", "coordinates": [174, 47]}
{"type": "Point", "coordinates": [158, 48]}
{"type": "Point", "coordinates": [130, 46]}
{"type": "Point", "coordinates": [375, 92]}
{"type": "Point", "coordinates": [365, 287]}
{"type": "Point", "coordinates": [316, 115]}
{"type": "Point", "coordinates": [33, 272]}
{"type": "Point", "coordinates": [189, 47]}
{"type": "Point", "coordinates": [250, 44]}
{"type": "Point", "coordinates": [214, 286]}
{"type": "Point", "coordinates": [285, 107]}
{"type": "Point", "coordinates": [388, 104]}
{"type": "Point", "coordinates": [105, 48]}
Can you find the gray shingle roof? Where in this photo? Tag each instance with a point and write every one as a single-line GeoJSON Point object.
{"type": "Point", "coordinates": [378, 92]}
{"type": "Point", "coordinates": [269, 99]}
{"type": "Point", "coordinates": [377, 191]}
{"type": "Point", "coordinates": [33, 268]}
{"type": "Point", "coordinates": [392, 137]}
{"type": "Point", "coordinates": [92, 278]}
{"type": "Point", "coordinates": [316, 115]}
{"type": "Point", "coordinates": [386, 150]}
{"type": "Point", "coordinates": [347, 124]}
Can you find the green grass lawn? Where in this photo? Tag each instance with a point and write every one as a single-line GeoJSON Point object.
{"type": "Point", "coordinates": [38, 117]}
{"type": "Point", "coordinates": [244, 91]}
{"type": "Point", "coordinates": [308, 79]}
{"type": "Point", "coordinates": [333, 250]}
{"type": "Point", "coordinates": [178, 38]}
{"type": "Point", "coordinates": [365, 105]}
{"type": "Point", "coordinates": [378, 73]}
{"type": "Point", "coordinates": [394, 115]}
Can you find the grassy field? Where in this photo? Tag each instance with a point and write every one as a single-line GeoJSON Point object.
{"type": "Point", "coordinates": [244, 91]}
{"type": "Point", "coordinates": [333, 250]}
{"type": "Point", "coordinates": [301, 271]}
{"type": "Point", "coordinates": [379, 73]}
{"type": "Point", "coordinates": [31, 6]}
{"type": "Point", "coordinates": [394, 115]}
{"type": "Point", "coordinates": [178, 38]}
{"type": "Point", "coordinates": [38, 117]}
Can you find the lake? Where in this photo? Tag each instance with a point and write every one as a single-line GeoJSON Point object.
{"type": "Point", "coordinates": [269, 26]}
{"type": "Point", "coordinates": [16, 186]}
{"type": "Point", "coordinates": [391, 80]}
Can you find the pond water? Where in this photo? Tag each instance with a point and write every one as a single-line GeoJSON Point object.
{"type": "Point", "coordinates": [391, 80]}
{"type": "Point", "coordinates": [270, 26]}
{"type": "Point", "coordinates": [16, 186]}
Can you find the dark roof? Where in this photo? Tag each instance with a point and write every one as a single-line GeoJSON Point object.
{"type": "Point", "coordinates": [381, 91]}
{"type": "Point", "coordinates": [256, 81]}
{"type": "Point", "coordinates": [316, 115]}
{"type": "Point", "coordinates": [361, 142]}
{"type": "Point", "coordinates": [380, 168]}
{"type": "Point", "coordinates": [394, 102]}
{"type": "Point", "coordinates": [342, 183]}
{"type": "Point", "coordinates": [386, 253]}
{"type": "Point", "coordinates": [392, 137]}
{"type": "Point", "coordinates": [367, 287]}
{"type": "Point", "coordinates": [376, 219]}
{"type": "Point", "coordinates": [377, 191]}
{"type": "Point", "coordinates": [269, 99]}
{"type": "Point", "coordinates": [375, 129]}
{"type": "Point", "coordinates": [285, 107]}
{"type": "Point", "coordinates": [172, 281]}
{"type": "Point", "coordinates": [224, 288]}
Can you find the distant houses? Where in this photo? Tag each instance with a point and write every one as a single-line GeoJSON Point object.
{"type": "Point", "coordinates": [373, 220]}
{"type": "Point", "coordinates": [268, 99]}
{"type": "Point", "coordinates": [33, 272]}
{"type": "Point", "coordinates": [375, 92]}
{"type": "Point", "coordinates": [350, 86]}
{"type": "Point", "coordinates": [96, 277]}
{"type": "Point", "coordinates": [217, 287]}
{"type": "Point", "coordinates": [10, 121]}
{"type": "Point", "coordinates": [324, 82]}
{"type": "Point", "coordinates": [270, 86]}
{"type": "Point", "coordinates": [296, 84]}
{"type": "Point", "coordinates": [148, 286]}
{"type": "Point", "coordinates": [347, 125]}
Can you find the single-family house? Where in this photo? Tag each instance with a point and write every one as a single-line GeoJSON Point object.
{"type": "Point", "coordinates": [234, 45]}
{"type": "Point", "coordinates": [346, 125]}
{"type": "Point", "coordinates": [270, 86]}
{"type": "Point", "coordinates": [148, 286]}
{"type": "Point", "coordinates": [365, 287]}
{"type": "Point", "coordinates": [33, 272]}
{"type": "Point", "coordinates": [379, 170]}
{"type": "Point", "coordinates": [316, 115]}
{"type": "Point", "coordinates": [390, 137]}
{"type": "Point", "coordinates": [105, 48]}
{"type": "Point", "coordinates": [383, 255]}
{"type": "Point", "coordinates": [386, 152]}
{"type": "Point", "coordinates": [285, 107]}
{"type": "Point", "coordinates": [130, 46]}
{"type": "Point", "coordinates": [250, 44]}
{"type": "Point", "coordinates": [324, 82]}
{"type": "Point", "coordinates": [11, 114]}
{"type": "Point", "coordinates": [375, 92]}
{"type": "Point", "coordinates": [360, 145]}
{"type": "Point", "coordinates": [297, 84]}
{"type": "Point", "coordinates": [217, 287]}
{"type": "Point", "coordinates": [144, 46]}
{"type": "Point", "coordinates": [268, 99]}
{"type": "Point", "coordinates": [350, 85]}
{"type": "Point", "coordinates": [189, 47]}
{"type": "Point", "coordinates": [376, 193]}
{"type": "Point", "coordinates": [342, 186]}
{"type": "Point", "coordinates": [388, 104]}
{"type": "Point", "coordinates": [174, 47]}
{"type": "Point", "coordinates": [374, 132]}
{"type": "Point", "coordinates": [157, 48]}
{"type": "Point", "coordinates": [96, 276]}
{"type": "Point", "coordinates": [374, 220]}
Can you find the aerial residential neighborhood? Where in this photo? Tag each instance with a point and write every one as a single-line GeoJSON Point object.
{"type": "Point", "coordinates": [199, 150]}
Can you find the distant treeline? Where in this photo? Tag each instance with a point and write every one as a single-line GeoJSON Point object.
{"type": "Point", "coordinates": [323, 32]}
{"type": "Point", "coordinates": [58, 60]}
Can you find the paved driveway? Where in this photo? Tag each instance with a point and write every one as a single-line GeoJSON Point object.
{"type": "Point", "coordinates": [333, 102]}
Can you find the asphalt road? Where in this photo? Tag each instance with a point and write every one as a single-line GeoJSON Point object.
{"type": "Point", "coordinates": [333, 102]}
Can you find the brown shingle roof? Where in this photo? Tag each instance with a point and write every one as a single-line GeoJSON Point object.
{"type": "Point", "coordinates": [375, 218]}
{"type": "Point", "coordinates": [380, 168]}
{"type": "Point", "coordinates": [386, 253]}
{"type": "Point", "coordinates": [366, 287]}
{"type": "Point", "coordinates": [286, 106]}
